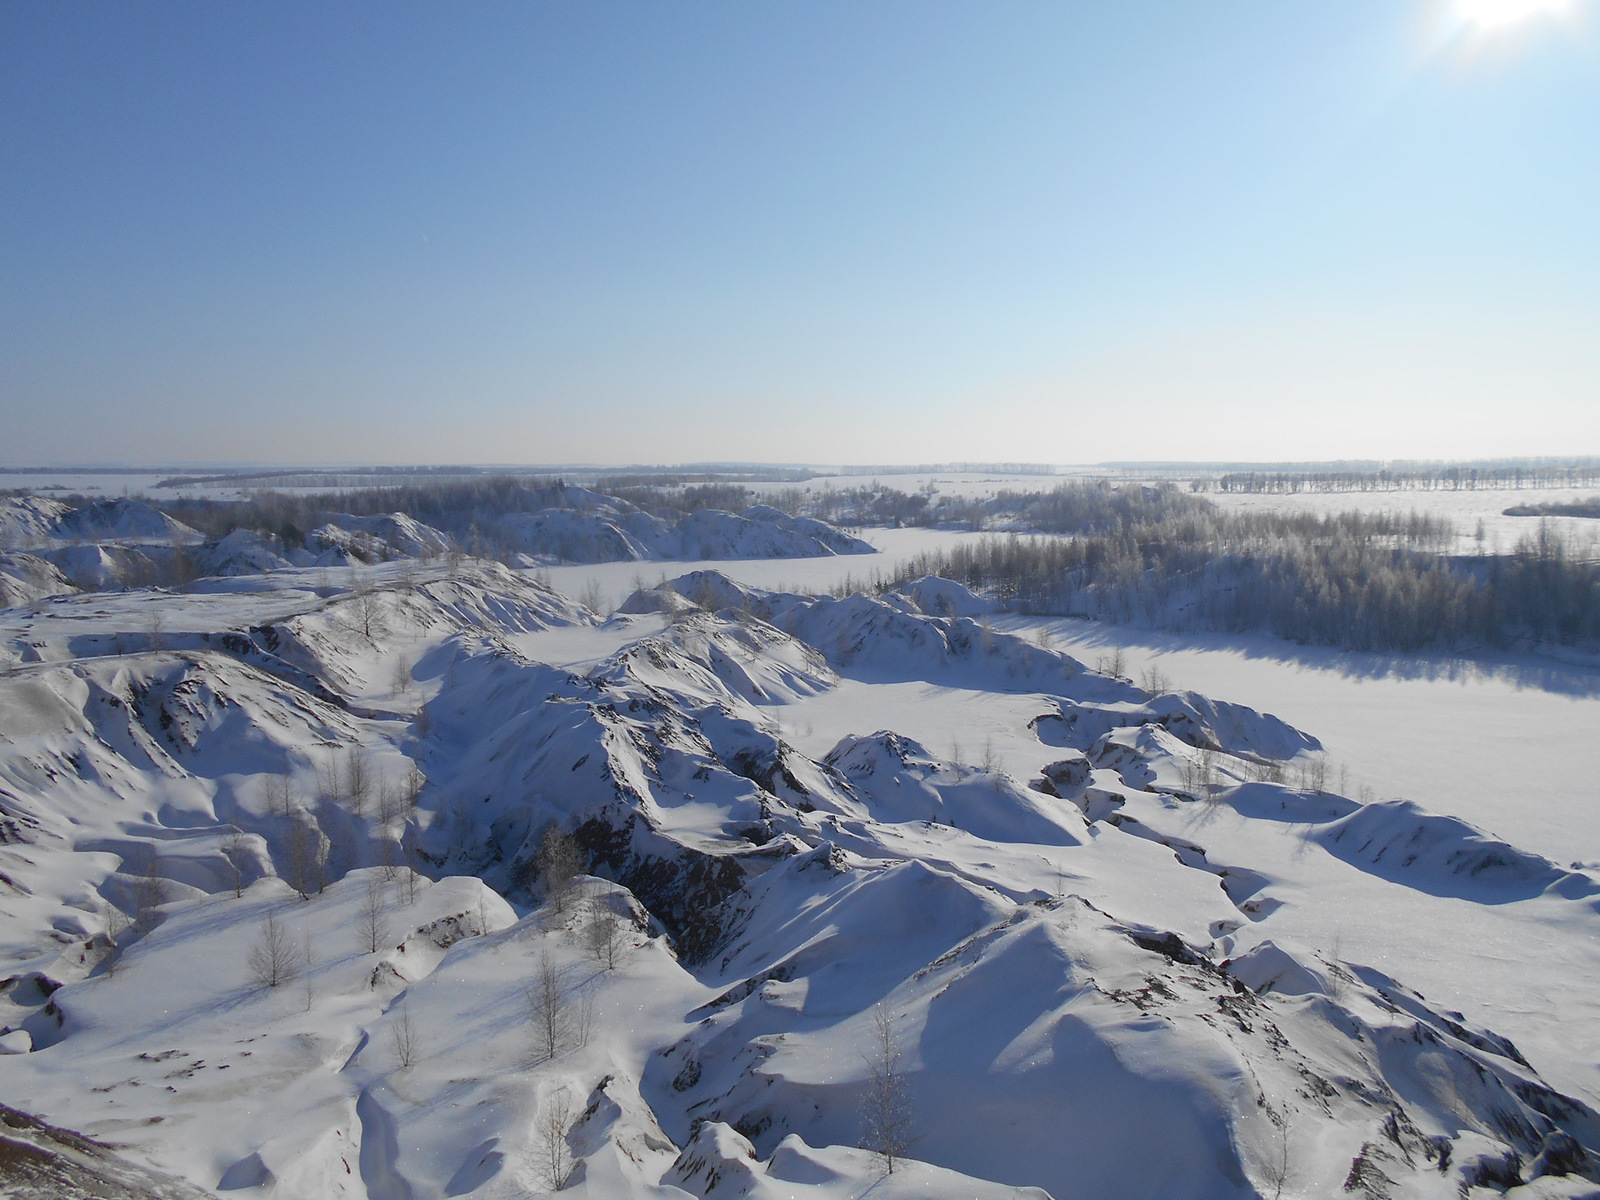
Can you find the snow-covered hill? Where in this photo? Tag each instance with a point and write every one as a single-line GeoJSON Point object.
{"type": "Point", "coordinates": [288, 908]}
{"type": "Point", "coordinates": [126, 543]}
{"type": "Point", "coordinates": [592, 528]}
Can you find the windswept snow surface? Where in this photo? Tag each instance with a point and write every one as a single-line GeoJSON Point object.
{"type": "Point", "coordinates": [1113, 941]}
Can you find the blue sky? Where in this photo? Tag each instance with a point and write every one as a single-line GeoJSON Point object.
{"type": "Point", "coordinates": [797, 232]}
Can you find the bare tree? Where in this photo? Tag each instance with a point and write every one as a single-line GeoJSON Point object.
{"type": "Point", "coordinates": [234, 847]}
{"type": "Point", "coordinates": [555, 1151]}
{"type": "Point", "coordinates": [400, 678]}
{"type": "Point", "coordinates": [1268, 771]}
{"type": "Point", "coordinates": [279, 795]}
{"type": "Point", "coordinates": [308, 983]}
{"type": "Point", "coordinates": [546, 997]}
{"type": "Point", "coordinates": [1314, 774]}
{"type": "Point", "coordinates": [605, 935]}
{"type": "Point", "coordinates": [886, 1105]}
{"type": "Point", "coordinates": [1338, 975]}
{"type": "Point", "coordinates": [558, 866]}
{"type": "Point", "coordinates": [373, 926]}
{"type": "Point", "coordinates": [405, 1037]}
{"type": "Point", "coordinates": [413, 874]}
{"type": "Point", "coordinates": [1279, 1168]}
{"type": "Point", "coordinates": [559, 1016]}
{"type": "Point", "coordinates": [272, 958]}
{"type": "Point", "coordinates": [1200, 778]}
{"type": "Point", "coordinates": [150, 893]}
{"type": "Point", "coordinates": [1154, 680]}
{"type": "Point", "coordinates": [1043, 638]}
{"type": "Point", "coordinates": [410, 790]}
{"type": "Point", "coordinates": [990, 761]}
{"type": "Point", "coordinates": [307, 854]}
{"type": "Point", "coordinates": [117, 925]}
{"type": "Point", "coordinates": [366, 608]}
{"type": "Point", "coordinates": [330, 777]}
{"type": "Point", "coordinates": [1114, 665]}
{"type": "Point", "coordinates": [593, 597]}
{"type": "Point", "coordinates": [389, 811]}
{"type": "Point", "coordinates": [389, 806]}
{"type": "Point", "coordinates": [358, 780]}
{"type": "Point", "coordinates": [388, 857]}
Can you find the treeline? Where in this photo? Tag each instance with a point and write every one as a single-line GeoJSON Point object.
{"type": "Point", "coordinates": [1355, 581]}
{"type": "Point", "coordinates": [1076, 506]}
{"type": "Point", "coordinates": [1459, 477]}
{"type": "Point", "coordinates": [464, 509]}
{"type": "Point", "coordinates": [1578, 508]}
{"type": "Point", "coordinates": [469, 510]}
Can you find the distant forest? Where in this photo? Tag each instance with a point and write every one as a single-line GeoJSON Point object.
{"type": "Point", "coordinates": [1364, 581]}
{"type": "Point", "coordinates": [1454, 477]}
{"type": "Point", "coordinates": [467, 510]}
{"type": "Point", "coordinates": [1156, 554]}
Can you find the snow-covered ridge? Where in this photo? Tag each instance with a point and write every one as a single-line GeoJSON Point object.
{"type": "Point", "coordinates": [590, 527]}
{"type": "Point", "coordinates": [1079, 969]}
{"type": "Point", "coordinates": [49, 548]}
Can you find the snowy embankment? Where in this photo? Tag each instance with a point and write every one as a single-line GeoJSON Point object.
{"type": "Point", "coordinates": [283, 912]}
{"type": "Point", "coordinates": [50, 548]}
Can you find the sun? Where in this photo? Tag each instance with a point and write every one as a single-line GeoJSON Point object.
{"type": "Point", "coordinates": [1497, 14]}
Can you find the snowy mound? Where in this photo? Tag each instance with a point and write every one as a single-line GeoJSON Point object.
{"type": "Point", "coordinates": [242, 552]}
{"type": "Point", "coordinates": [25, 578]}
{"type": "Point", "coordinates": [122, 520]}
{"type": "Point", "coordinates": [902, 782]}
{"type": "Point", "coordinates": [750, 658]}
{"type": "Point", "coordinates": [808, 527]}
{"type": "Point", "coordinates": [27, 521]}
{"type": "Point", "coordinates": [328, 887]}
{"type": "Point", "coordinates": [400, 535]}
{"type": "Point", "coordinates": [1193, 719]}
{"type": "Point", "coordinates": [580, 537]}
{"type": "Point", "coordinates": [1442, 855]}
{"type": "Point", "coordinates": [605, 529]}
{"type": "Point", "coordinates": [99, 565]}
{"type": "Point", "coordinates": [945, 598]}
{"type": "Point", "coordinates": [888, 637]}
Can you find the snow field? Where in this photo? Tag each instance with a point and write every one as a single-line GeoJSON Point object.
{"type": "Point", "coordinates": [1158, 968]}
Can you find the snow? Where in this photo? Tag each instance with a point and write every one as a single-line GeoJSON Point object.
{"type": "Point", "coordinates": [1124, 943]}
{"type": "Point", "coordinates": [1465, 509]}
{"type": "Point", "coordinates": [605, 529]}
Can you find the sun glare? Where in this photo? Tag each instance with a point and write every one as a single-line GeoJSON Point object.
{"type": "Point", "coordinates": [1496, 14]}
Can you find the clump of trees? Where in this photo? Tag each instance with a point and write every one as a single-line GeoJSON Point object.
{"type": "Point", "coordinates": [886, 1102]}
{"type": "Point", "coordinates": [274, 959]}
{"type": "Point", "coordinates": [560, 1012]}
{"type": "Point", "coordinates": [1365, 581]}
{"type": "Point", "coordinates": [559, 865]}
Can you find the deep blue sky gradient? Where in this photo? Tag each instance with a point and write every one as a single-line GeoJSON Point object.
{"type": "Point", "coordinates": [831, 232]}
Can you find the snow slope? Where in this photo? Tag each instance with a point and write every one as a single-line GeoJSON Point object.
{"type": "Point", "coordinates": [1086, 943]}
{"type": "Point", "coordinates": [592, 528]}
